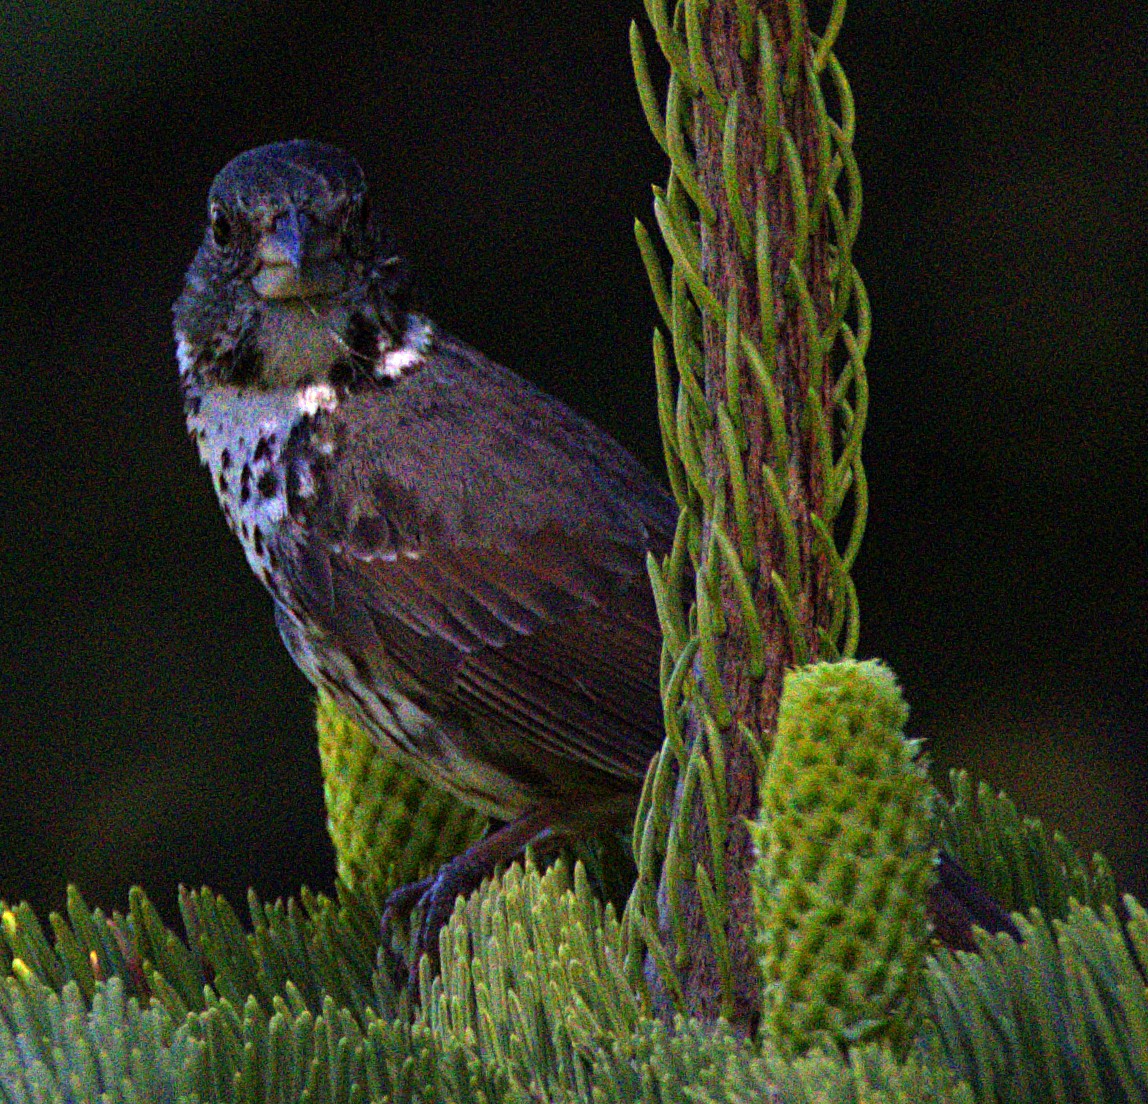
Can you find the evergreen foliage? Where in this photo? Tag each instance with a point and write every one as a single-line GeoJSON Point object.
{"type": "Point", "coordinates": [531, 1004]}
{"type": "Point", "coordinates": [1015, 858]}
{"type": "Point", "coordinates": [534, 1001]}
{"type": "Point", "coordinates": [1063, 1017]}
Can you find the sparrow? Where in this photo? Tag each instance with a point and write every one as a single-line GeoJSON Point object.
{"type": "Point", "coordinates": [453, 555]}
{"type": "Point", "coordinates": [456, 557]}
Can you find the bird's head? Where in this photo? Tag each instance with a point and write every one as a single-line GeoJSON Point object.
{"type": "Point", "coordinates": [292, 218]}
{"type": "Point", "coordinates": [291, 252]}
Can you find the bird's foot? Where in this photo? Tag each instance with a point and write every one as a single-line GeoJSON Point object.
{"type": "Point", "coordinates": [435, 896]}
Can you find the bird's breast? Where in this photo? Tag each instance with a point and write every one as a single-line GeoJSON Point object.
{"type": "Point", "coordinates": [242, 436]}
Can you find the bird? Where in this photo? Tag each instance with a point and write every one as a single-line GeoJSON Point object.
{"type": "Point", "coordinates": [456, 557]}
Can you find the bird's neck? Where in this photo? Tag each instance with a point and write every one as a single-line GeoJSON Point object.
{"type": "Point", "coordinates": [290, 345]}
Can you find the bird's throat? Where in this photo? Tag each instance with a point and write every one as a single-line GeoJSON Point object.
{"type": "Point", "coordinates": [301, 339]}
{"type": "Point", "coordinates": [286, 282]}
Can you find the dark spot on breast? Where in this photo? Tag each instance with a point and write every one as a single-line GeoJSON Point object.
{"type": "Point", "coordinates": [363, 339]}
{"type": "Point", "coordinates": [362, 336]}
{"type": "Point", "coordinates": [269, 582]}
{"type": "Point", "coordinates": [191, 404]}
{"type": "Point", "coordinates": [222, 483]}
{"type": "Point", "coordinates": [243, 530]}
{"type": "Point", "coordinates": [268, 484]}
{"type": "Point", "coordinates": [263, 448]}
{"type": "Point", "coordinates": [257, 540]}
{"type": "Point", "coordinates": [245, 483]}
{"type": "Point", "coordinates": [244, 365]}
{"type": "Point", "coordinates": [273, 558]}
{"type": "Point", "coordinates": [294, 499]}
{"type": "Point", "coordinates": [225, 459]}
{"type": "Point", "coordinates": [305, 473]}
{"type": "Point", "coordinates": [342, 373]}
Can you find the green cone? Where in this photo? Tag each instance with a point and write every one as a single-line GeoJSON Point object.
{"type": "Point", "coordinates": [384, 822]}
{"type": "Point", "coordinates": [844, 863]}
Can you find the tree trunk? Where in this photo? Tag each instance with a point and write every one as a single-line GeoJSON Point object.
{"type": "Point", "coordinates": [752, 696]}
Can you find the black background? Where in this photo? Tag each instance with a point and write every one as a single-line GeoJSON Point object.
{"type": "Point", "coordinates": [155, 730]}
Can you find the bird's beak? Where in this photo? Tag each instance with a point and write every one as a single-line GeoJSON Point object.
{"type": "Point", "coordinates": [296, 259]}
{"type": "Point", "coordinates": [286, 241]}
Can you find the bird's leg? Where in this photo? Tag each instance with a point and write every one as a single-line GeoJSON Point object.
{"type": "Point", "coordinates": [437, 893]}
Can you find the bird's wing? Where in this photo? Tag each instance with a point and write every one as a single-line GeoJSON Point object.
{"type": "Point", "coordinates": [492, 601]}
{"type": "Point", "coordinates": [551, 640]}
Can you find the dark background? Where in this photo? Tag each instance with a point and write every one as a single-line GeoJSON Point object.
{"type": "Point", "coordinates": [155, 730]}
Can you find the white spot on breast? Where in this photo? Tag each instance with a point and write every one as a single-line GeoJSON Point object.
{"type": "Point", "coordinates": [315, 397]}
{"type": "Point", "coordinates": [184, 354]}
{"type": "Point", "coordinates": [306, 483]}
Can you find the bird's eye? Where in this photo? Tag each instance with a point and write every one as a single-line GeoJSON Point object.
{"type": "Point", "coordinates": [220, 228]}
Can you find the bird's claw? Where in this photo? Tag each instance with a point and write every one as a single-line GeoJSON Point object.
{"type": "Point", "coordinates": [435, 897]}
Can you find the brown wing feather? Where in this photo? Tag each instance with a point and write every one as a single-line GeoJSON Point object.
{"type": "Point", "coordinates": [575, 696]}
{"type": "Point", "coordinates": [485, 547]}
{"type": "Point", "coordinates": [550, 646]}
{"type": "Point", "coordinates": [556, 650]}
